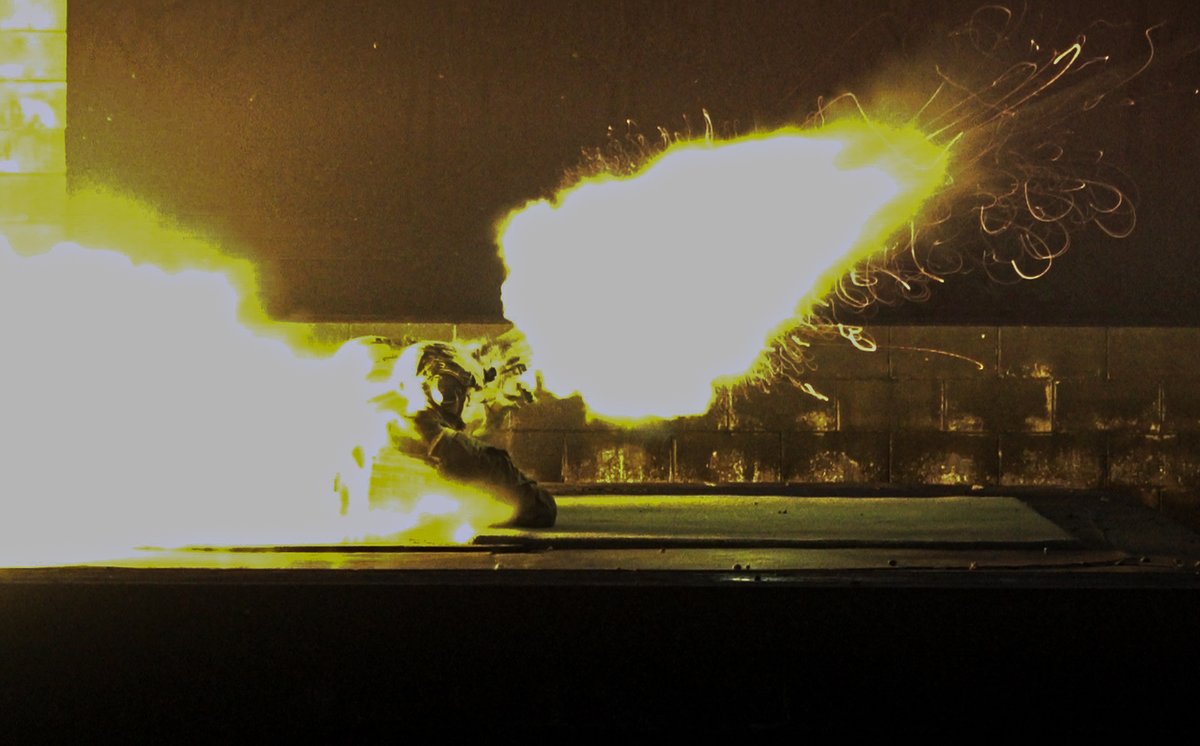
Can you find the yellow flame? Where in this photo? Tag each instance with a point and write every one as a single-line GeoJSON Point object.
{"type": "Point", "coordinates": [137, 409]}
{"type": "Point", "coordinates": [639, 293]}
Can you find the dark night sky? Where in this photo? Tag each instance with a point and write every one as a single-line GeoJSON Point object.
{"type": "Point", "coordinates": [360, 152]}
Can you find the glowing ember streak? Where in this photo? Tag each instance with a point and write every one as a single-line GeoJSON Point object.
{"type": "Point", "coordinates": [136, 409]}
{"type": "Point", "coordinates": [638, 293]}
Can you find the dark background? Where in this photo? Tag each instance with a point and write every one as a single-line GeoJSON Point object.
{"type": "Point", "coordinates": [360, 152]}
{"type": "Point", "coordinates": [321, 659]}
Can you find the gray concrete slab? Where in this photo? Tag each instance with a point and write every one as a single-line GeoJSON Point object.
{"type": "Point", "coordinates": [732, 563]}
{"type": "Point", "coordinates": [768, 521]}
{"type": "Point", "coordinates": [723, 538]}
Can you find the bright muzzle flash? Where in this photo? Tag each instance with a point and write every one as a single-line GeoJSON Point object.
{"type": "Point", "coordinates": [639, 293]}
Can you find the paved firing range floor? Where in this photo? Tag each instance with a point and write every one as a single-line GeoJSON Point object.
{"type": "Point", "coordinates": [766, 521]}
{"type": "Point", "coordinates": [666, 538]}
{"type": "Point", "coordinates": [669, 613]}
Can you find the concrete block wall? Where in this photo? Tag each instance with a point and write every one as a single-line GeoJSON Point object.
{"type": "Point", "coordinates": [966, 406]}
{"type": "Point", "coordinates": [33, 107]}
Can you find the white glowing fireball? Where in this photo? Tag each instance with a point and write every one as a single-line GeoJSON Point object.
{"type": "Point", "coordinates": [638, 293]}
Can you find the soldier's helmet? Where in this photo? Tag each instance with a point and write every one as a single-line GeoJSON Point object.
{"type": "Point", "coordinates": [448, 376]}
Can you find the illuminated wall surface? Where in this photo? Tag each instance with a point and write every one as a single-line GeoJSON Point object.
{"type": "Point", "coordinates": [956, 406]}
{"type": "Point", "coordinates": [33, 118]}
{"type": "Point", "coordinates": [360, 153]}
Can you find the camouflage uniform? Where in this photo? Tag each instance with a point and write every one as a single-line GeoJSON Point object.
{"type": "Point", "coordinates": [446, 377]}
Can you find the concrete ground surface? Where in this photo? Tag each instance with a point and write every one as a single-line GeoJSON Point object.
{"type": "Point", "coordinates": [659, 614]}
{"type": "Point", "coordinates": [686, 537]}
